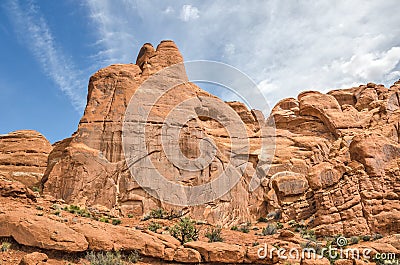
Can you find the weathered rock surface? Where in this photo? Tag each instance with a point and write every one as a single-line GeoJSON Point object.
{"type": "Point", "coordinates": [34, 258]}
{"type": "Point", "coordinates": [23, 156]}
{"type": "Point", "coordinates": [346, 144]}
{"type": "Point", "coordinates": [89, 168]}
{"type": "Point", "coordinates": [336, 162]}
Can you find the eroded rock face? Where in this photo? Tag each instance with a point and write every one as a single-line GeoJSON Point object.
{"type": "Point", "coordinates": [23, 156]}
{"type": "Point", "coordinates": [348, 145]}
{"type": "Point", "coordinates": [336, 162]}
{"type": "Point", "coordinates": [89, 168]}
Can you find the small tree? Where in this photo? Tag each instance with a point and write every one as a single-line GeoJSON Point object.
{"type": "Point", "coordinates": [185, 230]}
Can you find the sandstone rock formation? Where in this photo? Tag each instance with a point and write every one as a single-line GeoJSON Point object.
{"type": "Point", "coordinates": [89, 168]}
{"type": "Point", "coordinates": [336, 162]}
{"type": "Point", "coordinates": [23, 156]}
{"type": "Point", "coordinates": [346, 145]}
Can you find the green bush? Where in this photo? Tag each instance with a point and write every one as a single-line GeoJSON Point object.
{"type": "Point", "coordinates": [116, 221]}
{"type": "Point", "coordinates": [185, 230]}
{"type": "Point", "coordinates": [366, 238]}
{"type": "Point", "coordinates": [5, 246]}
{"type": "Point", "coordinates": [271, 229]}
{"type": "Point", "coordinates": [354, 240]}
{"type": "Point", "coordinates": [279, 225]}
{"type": "Point", "coordinates": [234, 228]}
{"type": "Point", "coordinates": [214, 234]}
{"type": "Point", "coordinates": [154, 227]}
{"type": "Point", "coordinates": [262, 219]}
{"type": "Point", "coordinates": [156, 214]}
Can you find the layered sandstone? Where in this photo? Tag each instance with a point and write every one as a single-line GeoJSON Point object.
{"type": "Point", "coordinates": [23, 156]}
{"type": "Point", "coordinates": [89, 168]}
{"type": "Point", "coordinates": [343, 149]}
{"type": "Point", "coordinates": [336, 163]}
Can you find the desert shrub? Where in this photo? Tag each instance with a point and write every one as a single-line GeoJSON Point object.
{"type": "Point", "coordinates": [154, 227]}
{"type": "Point", "coordinates": [366, 238]}
{"type": "Point", "coordinates": [104, 258]}
{"type": "Point", "coordinates": [308, 234]}
{"type": "Point", "coordinates": [377, 236]}
{"type": "Point", "coordinates": [116, 221]}
{"type": "Point", "coordinates": [270, 229]}
{"type": "Point", "coordinates": [234, 228]}
{"type": "Point", "coordinates": [133, 257]}
{"type": "Point", "coordinates": [103, 219]}
{"type": "Point", "coordinates": [245, 228]}
{"type": "Point", "coordinates": [156, 214]}
{"type": "Point", "coordinates": [5, 246]}
{"type": "Point", "coordinates": [354, 240]}
{"type": "Point", "coordinates": [262, 219]}
{"type": "Point", "coordinates": [279, 225]}
{"type": "Point", "coordinates": [130, 215]}
{"type": "Point", "coordinates": [185, 230]}
{"type": "Point", "coordinates": [214, 234]}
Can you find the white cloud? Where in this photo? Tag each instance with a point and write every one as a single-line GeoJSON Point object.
{"type": "Point", "coordinates": [35, 33]}
{"type": "Point", "coordinates": [371, 65]}
{"type": "Point", "coordinates": [189, 12]}
{"type": "Point", "coordinates": [285, 46]}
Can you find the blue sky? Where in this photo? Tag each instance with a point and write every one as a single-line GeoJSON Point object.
{"type": "Point", "coordinates": [49, 49]}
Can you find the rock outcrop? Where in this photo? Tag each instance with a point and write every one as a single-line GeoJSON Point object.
{"type": "Point", "coordinates": [336, 161]}
{"type": "Point", "coordinates": [89, 168]}
{"type": "Point", "coordinates": [344, 146]}
{"type": "Point", "coordinates": [23, 156]}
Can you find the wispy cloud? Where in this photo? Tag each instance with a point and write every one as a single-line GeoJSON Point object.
{"type": "Point", "coordinates": [34, 32]}
{"type": "Point", "coordinates": [189, 12]}
{"type": "Point", "coordinates": [285, 46]}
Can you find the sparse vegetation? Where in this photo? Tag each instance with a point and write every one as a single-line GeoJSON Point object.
{"type": "Point", "coordinates": [156, 214]}
{"type": "Point", "coordinates": [354, 240]}
{"type": "Point", "coordinates": [270, 229]}
{"type": "Point", "coordinates": [245, 228]}
{"type": "Point", "coordinates": [160, 213]}
{"type": "Point", "coordinates": [36, 189]}
{"type": "Point", "coordinates": [214, 234]}
{"type": "Point", "coordinates": [308, 234]}
{"type": "Point", "coordinates": [153, 226]}
{"type": "Point", "coordinates": [185, 230]}
{"type": "Point", "coordinates": [262, 219]}
{"type": "Point", "coordinates": [130, 215]}
{"type": "Point", "coordinates": [234, 228]}
{"type": "Point", "coordinates": [377, 236]}
{"type": "Point", "coordinates": [5, 246]}
{"type": "Point", "coordinates": [366, 238]}
{"type": "Point", "coordinates": [104, 219]}
{"type": "Point", "coordinates": [112, 258]}
{"type": "Point", "coordinates": [116, 221]}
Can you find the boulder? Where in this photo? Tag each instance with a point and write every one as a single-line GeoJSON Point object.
{"type": "Point", "coordinates": [23, 156]}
